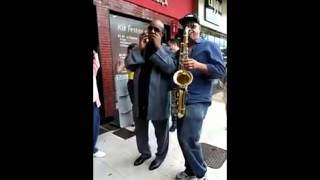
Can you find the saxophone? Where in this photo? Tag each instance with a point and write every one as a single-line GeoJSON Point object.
{"type": "Point", "coordinates": [182, 78]}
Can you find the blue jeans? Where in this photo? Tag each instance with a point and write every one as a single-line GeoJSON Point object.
{"type": "Point", "coordinates": [189, 130]}
{"type": "Point", "coordinates": [96, 126]}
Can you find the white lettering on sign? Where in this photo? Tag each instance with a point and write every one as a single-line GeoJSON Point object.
{"type": "Point", "coordinates": [130, 29]}
{"type": "Point", "coordinates": [162, 2]}
{"type": "Point", "coordinates": [122, 27]}
{"type": "Point", "coordinates": [134, 29]}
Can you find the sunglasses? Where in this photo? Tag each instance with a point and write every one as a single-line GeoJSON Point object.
{"type": "Point", "coordinates": [192, 25]}
{"type": "Point", "coordinates": [156, 29]}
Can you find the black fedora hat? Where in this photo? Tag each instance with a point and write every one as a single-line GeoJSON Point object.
{"type": "Point", "coordinates": [189, 18]}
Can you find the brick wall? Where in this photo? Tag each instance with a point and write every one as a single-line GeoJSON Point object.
{"type": "Point", "coordinates": [106, 60]}
{"type": "Point", "coordinates": [103, 11]}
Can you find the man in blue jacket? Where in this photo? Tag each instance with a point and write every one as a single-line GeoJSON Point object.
{"type": "Point", "coordinates": [153, 64]}
{"type": "Point", "coordinates": [205, 62]}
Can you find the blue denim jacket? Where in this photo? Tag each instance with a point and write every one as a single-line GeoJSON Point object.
{"type": "Point", "coordinates": [207, 52]}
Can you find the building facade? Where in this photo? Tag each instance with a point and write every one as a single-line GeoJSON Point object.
{"type": "Point", "coordinates": [119, 23]}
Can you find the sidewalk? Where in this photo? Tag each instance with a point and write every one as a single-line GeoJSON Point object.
{"type": "Point", "coordinates": [120, 153]}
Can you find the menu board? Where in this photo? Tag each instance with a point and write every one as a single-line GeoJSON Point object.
{"type": "Point", "coordinates": [124, 31]}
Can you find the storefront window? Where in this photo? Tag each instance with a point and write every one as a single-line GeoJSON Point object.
{"type": "Point", "coordinates": [224, 45]}
{"type": "Point", "coordinates": [217, 40]}
{"type": "Point", "coordinates": [211, 38]}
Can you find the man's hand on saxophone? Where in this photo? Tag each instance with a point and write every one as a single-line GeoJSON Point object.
{"type": "Point", "coordinates": [191, 64]}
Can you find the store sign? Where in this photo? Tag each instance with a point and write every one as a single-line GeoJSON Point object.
{"type": "Point", "coordinates": [213, 11]}
{"type": "Point", "coordinates": [162, 2]}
